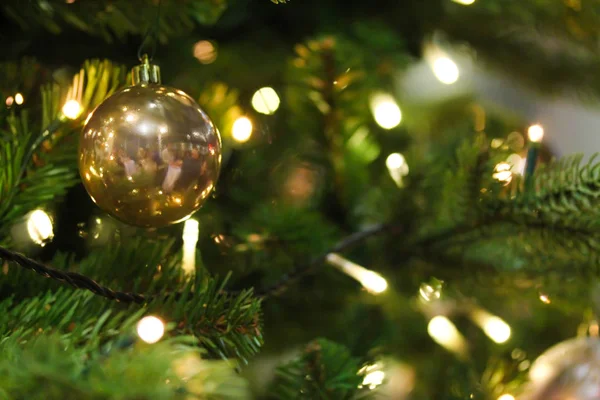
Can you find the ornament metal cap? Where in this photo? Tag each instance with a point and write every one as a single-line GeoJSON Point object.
{"type": "Point", "coordinates": [145, 73]}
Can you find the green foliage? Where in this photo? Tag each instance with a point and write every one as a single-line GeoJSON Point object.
{"type": "Point", "coordinates": [115, 19]}
{"type": "Point", "coordinates": [172, 369]}
{"type": "Point", "coordinates": [38, 161]}
{"type": "Point", "coordinates": [325, 370]}
{"type": "Point", "coordinates": [221, 103]}
{"type": "Point", "coordinates": [312, 173]}
{"type": "Point", "coordinates": [556, 37]}
{"type": "Point", "coordinates": [565, 196]}
{"type": "Point", "coordinates": [229, 326]}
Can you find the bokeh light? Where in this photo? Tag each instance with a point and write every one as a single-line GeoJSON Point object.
{"type": "Point", "coordinates": [373, 379]}
{"type": "Point", "coordinates": [150, 329]}
{"type": "Point", "coordinates": [494, 327]}
{"type": "Point", "coordinates": [535, 133]}
{"type": "Point", "coordinates": [19, 98]}
{"type": "Point", "coordinates": [444, 332]}
{"type": "Point", "coordinates": [506, 397]}
{"type": "Point", "coordinates": [502, 173]}
{"type": "Point", "coordinates": [370, 280]}
{"type": "Point", "coordinates": [39, 227]}
{"type": "Point", "coordinates": [385, 110]}
{"type": "Point", "coordinates": [265, 101]}
{"type": "Point", "coordinates": [395, 161]}
{"type": "Point", "coordinates": [242, 129]}
{"type": "Point", "coordinates": [71, 109]}
{"type": "Point", "coordinates": [445, 70]}
{"type": "Point", "coordinates": [205, 52]}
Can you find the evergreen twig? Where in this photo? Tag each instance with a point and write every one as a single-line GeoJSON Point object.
{"type": "Point", "coordinates": [80, 281]}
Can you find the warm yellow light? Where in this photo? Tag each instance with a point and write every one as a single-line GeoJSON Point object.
{"type": "Point", "coordinates": [397, 167]}
{"type": "Point", "coordinates": [9, 101]}
{"type": "Point", "coordinates": [19, 98]}
{"type": "Point", "coordinates": [502, 172]}
{"type": "Point", "coordinates": [545, 299]}
{"type": "Point", "coordinates": [444, 332]}
{"type": "Point", "coordinates": [370, 280]}
{"type": "Point", "coordinates": [494, 327]}
{"type": "Point", "coordinates": [535, 133]}
{"type": "Point", "coordinates": [373, 379]}
{"type": "Point", "coordinates": [190, 239]}
{"type": "Point", "coordinates": [466, 3]}
{"type": "Point", "coordinates": [445, 70]}
{"type": "Point", "coordinates": [150, 329]}
{"type": "Point", "coordinates": [395, 161]}
{"type": "Point", "coordinates": [265, 101]}
{"type": "Point", "coordinates": [373, 375]}
{"type": "Point", "coordinates": [506, 397]}
{"type": "Point", "coordinates": [205, 52]}
{"type": "Point", "coordinates": [385, 110]}
{"type": "Point", "coordinates": [39, 227]}
{"type": "Point", "coordinates": [71, 109]}
{"type": "Point", "coordinates": [517, 164]}
{"type": "Point", "coordinates": [242, 129]}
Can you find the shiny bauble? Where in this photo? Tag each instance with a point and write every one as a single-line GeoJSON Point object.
{"type": "Point", "coordinates": [149, 155]}
{"type": "Point", "coordinates": [569, 370]}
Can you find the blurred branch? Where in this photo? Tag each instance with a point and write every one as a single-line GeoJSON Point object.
{"type": "Point", "coordinates": [80, 281]}
{"type": "Point", "coordinates": [303, 270]}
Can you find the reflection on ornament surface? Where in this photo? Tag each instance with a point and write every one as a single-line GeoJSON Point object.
{"type": "Point", "coordinates": [149, 155]}
{"type": "Point", "coordinates": [569, 370]}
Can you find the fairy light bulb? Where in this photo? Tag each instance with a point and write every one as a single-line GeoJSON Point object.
{"type": "Point", "coordinates": [444, 333]}
{"type": "Point", "coordinates": [466, 3]}
{"type": "Point", "coordinates": [373, 379]}
{"type": "Point", "coordinates": [397, 167]}
{"type": "Point", "coordinates": [19, 98]}
{"type": "Point", "coordinates": [373, 375]}
{"type": "Point", "coordinates": [190, 239]}
{"type": "Point", "coordinates": [150, 329]}
{"type": "Point", "coordinates": [265, 101]}
{"type": "Point", "coordinates": [71, 109]}
{"type": "Point", "coordinates": [502, 172]}
{"type": "Point", "coordinates": [39, 227]}
{"type": "Point", "coordinates": [395, 161]}
{"type": "Point", "coordinates": [506, 397]}
{"type": "Point", "coordinates": [205, 51]}
{"type": "Point", "coordinates": [445, 70]}
{"type": "Point", "coordinates": [370, 280]}
{"type": "Point", "coordinates": [385, 110]}
{"type": "Point", "coordinates": [494, 327]}
{"type": "Point", "coordinates": [242, 129]}
{"type": "Point", "coordinates": [535, 133]}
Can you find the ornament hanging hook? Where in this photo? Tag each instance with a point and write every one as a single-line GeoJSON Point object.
{"type": "Point", "coordinates": [152, 35]}
{"type": "Point", "coordinates": [145, 73]}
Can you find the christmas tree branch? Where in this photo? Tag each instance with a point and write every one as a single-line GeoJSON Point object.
{"type": "Point", "coordinates": [305, 269]}
{"type": "Point", "coordinates": [80, 281]}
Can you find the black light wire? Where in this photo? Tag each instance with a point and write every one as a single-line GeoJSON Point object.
{"type": "Point", "coordinates": [152, 35]}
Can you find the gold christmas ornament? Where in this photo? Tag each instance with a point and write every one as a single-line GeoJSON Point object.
{"type": "Point", "coordinates": [568, 370]}
{"type": "Point", "coordinates": [149, 155]}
